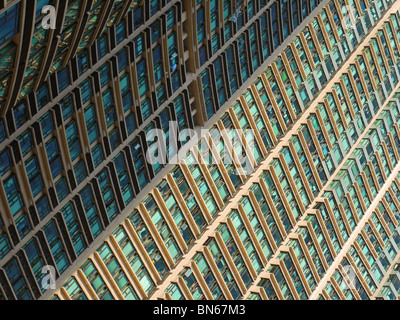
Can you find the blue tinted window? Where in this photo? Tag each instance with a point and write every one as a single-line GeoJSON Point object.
{"type": "Point", "coordinates": [43, 207]}
{"type": "Point", "coordinates": [5, 245]}
{"type": "Point", "coordinates": [108, 194]}
{"type": "Point", "coordinates": [142, 77]}
{"type": "Point", "coordinates": [21, 115]}
{"type": "Point", "coordinates": [139, 45]}
{"type": "Point", "coordinates": [104, 74]}
{"type": "Point", "coordinates": [62, 188]}
{"type": "Point", "coordinates": [146, 109]}
{"type": "Point", "coordinates": [42, 96]}
{"type": "Point", "coordinates": [34, 176]}
{"type": "Point", "coordinates": [2, 131]}
{"type": "Point", "coordinates": [109, 108]}
{"type": "Point", "coordinates": [115, 139]}
{"type": "Point", "coordinates": [97, 155]}
{"type": "Point", "coordinates": [137, 16]}
{"type": "Point", "coordinates": [161, 94]}
{"type": "Point", "coordinates": [124, 84]}
{"type": "Point", "coordinates": [13, 194]}
{"type": "Point", "coordinates": [56, 246]}
{"type": "Point", "coordinates": [71, 131]}
{"type": "Point", "coordinates": [26, 142]}
{"type": "Point", "coordinates": [83, 62]}
{"type": "Point", "coordinates": [171, 18]}
{"type": "Point", "coordinates": [74, 229]}
{"type": "Point", "coordinates": [139, 162]}
{"type": "Point", "coordinates": [23, 225]}
{"type": "Point", "coordinates": [53, 157]}
{"type": "Point", "coordinates": [123, 176]}
{"type": "Point", "coordinates": [36, 261]}
{"type": "Point", "coordinates": [47, 124]}
{"type": "Point", "coordinates": [203, 54]}
{"type": "Point", "coordinates": [127, 102]}
{"type": "Point", "coordinates": [157, 63]}
{"type": "Point", "coordinates": [17, 280]}
{"type": "Point", "coordinates": [130, 123]}
{"type": "Point", "coordinates": [155, 31]}
{"type": "Point", "coordinates": [86, 91]}
{"type": "Point", "coordinates": [91, 123]}
{"type": "Point", "coordinates": [63, 79]}
{"type": "Point", "coordinates": [80, 171]}
{"type": "Point", "coordinates": [122, 59]}
{"type": "Point", "coordinates": [39, 6]}
{"type": "Point", "coordinates": [5, 162]}
{"type": "Point", "coordinates": [102, 46]}
{"type": "Point", "coordinates": [9, 23]}
{"type": "Point", "coordinates": [91, 211]}
{"type": "Point", "coordinates": [154, 7]}
{"type": "Point", "coordinates": [67, 107]}
{"type": "Point", "coordinates": [121, 31]}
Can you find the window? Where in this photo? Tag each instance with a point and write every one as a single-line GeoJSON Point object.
{"type": "Point", "coordinates": [62, 189]}
{"type": "Point", "coordinates": [139, 45]}
{"type": "Point", "coordinates": [121, 31]}
{"type": "Point", "coordinates": [5, 162]}
{"type": "Point", "coordinates": [17, 280]}
{"type": "Point", "coordinates": [107, 191]}
{"type": "Point", "coordinates": [56, 246]}
{"type": "Point", "coordinates": [72, 134]}
{"type": "Point", "coordinates": [122, 59]}
{"type": "Point", "coordinates": [91, 123]}
{"type": "Point", "coordinates": [42, 96]}
{"type": "Point", "coordinates": [63, 79]}
{"type": "Point", "coordinates": [74, 229]}
{"type": "Point", "coordinates": [21, 115]}
{"type": "Point", "coordinates": [142, 77]}
{"type": "Point", "coordinates": [54, 157]}
{"type": "Point", "coordinates": [91, 211]}
{"type": "Point", "coordinates": [9, 23]}
{"type": "Point", "coordinates": [47, 124]}
{"type": "Point", "coordinates": [155, 31]}
{"type": "Point", "coordinates": [67, 107]}
{"type": "Point", "coordinates": [43, 207]}
{"type": "Point", "coordinates": [13, 194]}
{"type": "Point", "coordinates": [86, 91]}
{"type": "Point", "coordinates": [34, 176]}
{"type": "Point", "coordinates": [80, 171]}
{"type": "Point", "coordinates": [105, 74]}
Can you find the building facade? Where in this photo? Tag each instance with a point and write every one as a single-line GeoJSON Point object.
{"type": "Point", "coordinates": [315, 216]}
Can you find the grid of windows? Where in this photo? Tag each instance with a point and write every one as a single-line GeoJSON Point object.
{"type": "Point", "coordinates": [95, 166]}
